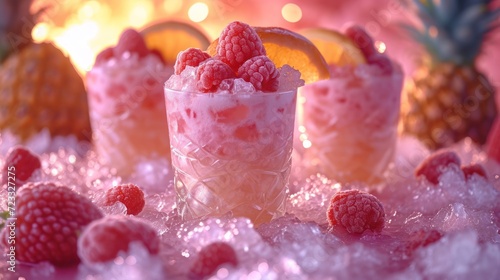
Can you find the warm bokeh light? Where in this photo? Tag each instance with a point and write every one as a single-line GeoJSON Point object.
{"type": "Point", "coordinates": [140, 14]}
{"type": "Point", "coordinates": [291, 12]}
{"type": "Point", "coordinates": [89, 9]}
{"type": "Point", "coordinates": [198, 12]}
{"type": "Point", "coordinates": [172, 7]}
{"type": "Point", "coordinates": [70, 41]}
{"type": "Point", "coordinates": [380, 46]}
{"type": "Point", "coordinates": [40, 32]}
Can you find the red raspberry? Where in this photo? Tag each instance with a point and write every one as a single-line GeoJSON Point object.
{"type": "Point", "coordinates": [192, 57]}
{"type": "Point", "coordinates": [50, 218]}
{"type": "Point", "coordinates": [261, 72]}
{"type": "Point", "coordinates": [436, 164]}
{"type": "Point", "coordinates": [362, 39]}
{"type": "Point", "coordinates": [131, 41]}
{"type": "Point", "coordinates": [493, 142]}
{"type": "Point", "coordinates": [382, 61]}
{"type": "Point", "coordinates": [211, 257]}
{"type": "Point", "coordinates": [421, 238]}
{"type": "Point", "coordinates": [104, 239]}
{"type": "Point", "coordinates": [104, 56]}
{"type": "Point", "coordinates": [20, 164]}
{"type": "Point", "coordinates": [130, 195]}
{"type": "Point", "coordinates": [211, 73]}
{"type": "Point", "coordinates": [239, 42]}
{"type": "Point", "coordinates": [474, 169]}
{"type": "Point", "coordinates": [356, 211]}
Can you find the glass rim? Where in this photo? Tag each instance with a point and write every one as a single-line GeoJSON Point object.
{"type": "Point", "coordinates": [257, 93]}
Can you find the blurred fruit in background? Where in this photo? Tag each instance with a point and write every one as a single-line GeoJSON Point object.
{"type": "Point", "coordinates": [39, 87]}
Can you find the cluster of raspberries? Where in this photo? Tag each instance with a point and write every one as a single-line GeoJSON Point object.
{"type": "Point", "coordinates": [240, 54]}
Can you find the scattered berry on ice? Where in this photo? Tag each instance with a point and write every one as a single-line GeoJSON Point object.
{"type": "Point", "coordinates": [50, 217]}
{"type": "Point", "coordinates": [20, 165]}
{"type": "Point", "coordinates": [211, 257]}
{"type": "Point", "coordinates": [104, 239]}
{"type": "Point", "coordinates": [356, 211]}
{"type": "Point", "coordinates": [436, 164]}
{"type": "Point", "coordinates": [130, 195]}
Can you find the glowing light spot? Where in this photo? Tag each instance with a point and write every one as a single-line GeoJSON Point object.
{"type": "Point", "coordinates": [198, 12]}
{"type": "Point", "coordinates": [72, 159]}
{"type": "Point", "coordinates": [40, 32]}
{"type": "Point", "coordinates": [222, 273]}
{"type": "Point", "coordinates": [380, 46]}
{"type": "Point", "coordinates": [89, 9]}
{"type": "Point", "coordinates": [291, 12]}
{"type": "Point", "coordinates": [75, 41]}
{"type": "Point", "coordinates": [119, 261]}
{"type": "Point", "coordinates": [172, 6]}
{"type": "Point", "coordinates": [130, 260]}
{"type": "Point", "coordinates": [140, 14]}
{"type": "Point", "coordinates": [306, 144]}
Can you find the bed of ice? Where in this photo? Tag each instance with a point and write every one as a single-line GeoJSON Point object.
{"type": "Point", "coordinates": [299, 245]}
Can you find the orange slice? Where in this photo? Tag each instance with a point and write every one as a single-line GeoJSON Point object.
{"type": "Point", "coordinates": [287, 47]}
{"type": "Point", "coordinates": [336, 48]}
{"type": "Point", "coordinates": [171, 37]}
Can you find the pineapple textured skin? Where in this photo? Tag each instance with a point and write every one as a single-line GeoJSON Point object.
{"type": "Point", "coordinates": [447, 103]}
{"type": "Point", "coordinates": [40, 88]}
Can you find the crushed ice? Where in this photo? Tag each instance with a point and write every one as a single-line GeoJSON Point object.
{"type": "Point", "coordinates": [301, 244]}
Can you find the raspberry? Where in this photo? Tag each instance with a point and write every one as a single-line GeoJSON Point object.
{"type": "Point", "coordinates": [211, 257]}
{"type": "Point", "coordinates": [474, 169]}
{"type": "Point", "coordinates": [49, 219]}
{"type": "Point", "coordinates": [261, 72]}
{"type": "Point", "coordinates": [131, 41]}
{"type": "Point", "coordinates": [362, 39]}
{"type": "Point", "coordinates": [22, 163]}
{"type": "Point", "coordinates": [356, 211]}
{"type": "Point", "coordinates": [130, 195]}
{"type": "Point", "coordinates": [104, 56]}
{"type": "Point", "coordinates": [192, 57]}
{"type": "Point", "coordinates": [104, 239]}
{"type": "Point", "coordinates": [436, 164]}
{"type": "Point", "coordinates": [382, 61]}
{"type": "Point", "coordinates": [239, 42]}
{"type": "Point", "coordinates": [211, 73]}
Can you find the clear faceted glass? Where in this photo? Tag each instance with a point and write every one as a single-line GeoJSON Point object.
{"type": "Point", "coordinates": [127, 112]}
{"type": "Point", "coordinates": [231, 152]}
{"type": "Point", "coordinates": [351, 122]}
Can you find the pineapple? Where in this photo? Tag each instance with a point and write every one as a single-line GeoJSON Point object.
{"type": "Point", "coordinates": [39, 87]}
{"type": "Point", "coordinates": [448, 98]}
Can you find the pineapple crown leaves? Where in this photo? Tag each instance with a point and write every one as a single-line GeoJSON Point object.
{"type": "Point", "coordinates": [454, 30]}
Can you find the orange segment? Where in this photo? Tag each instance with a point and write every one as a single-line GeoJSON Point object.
{"type": "Point", "coordinates": [287, 47]}
{"type": "Point", "coordinates": [336, 48]}
{"type": "Point", "coordinates": [171, 37]}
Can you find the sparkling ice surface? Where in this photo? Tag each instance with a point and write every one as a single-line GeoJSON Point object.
{"type": "Point", "coordinates": [301, 244]}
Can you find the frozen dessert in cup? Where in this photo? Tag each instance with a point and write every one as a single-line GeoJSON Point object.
{"type": "Point", "coordinates": [351, 119]}
{"type": "Point", "coordinates": [231, 121]}
{"type": "Point", "coordinates": [127, 107]}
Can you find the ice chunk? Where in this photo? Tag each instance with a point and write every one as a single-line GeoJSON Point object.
{"type": "Point", "coordinates": [311, 202]}
{"type": "Point", "coordinates": [289, 79]}
{"type": "Point", "coordinates": [460, 256]}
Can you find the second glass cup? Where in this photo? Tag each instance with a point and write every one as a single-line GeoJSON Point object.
{"type": "Point", "coordinates": [231, 152]}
